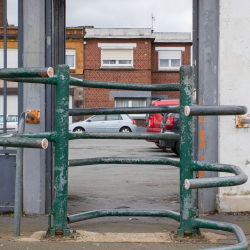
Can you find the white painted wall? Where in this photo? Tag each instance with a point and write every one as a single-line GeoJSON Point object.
{"type": "Point", "coordinates": [234, 89]}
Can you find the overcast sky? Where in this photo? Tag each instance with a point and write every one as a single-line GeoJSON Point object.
{"type": "Point", "coordinates": [170, 15]}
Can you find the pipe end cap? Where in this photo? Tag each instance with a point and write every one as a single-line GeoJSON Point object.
{"type": "Point", "coordinates": [187, 110]}
{"type": "Point", "coordinates": [187, 184]}
{"type": "Point", "coordinates": [45, 143]}
{"type": "Point", "coordinates": [50, 72]}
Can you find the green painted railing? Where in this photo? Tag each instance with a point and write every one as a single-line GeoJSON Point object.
{"type": "Point", "coordinates": [189, 223]}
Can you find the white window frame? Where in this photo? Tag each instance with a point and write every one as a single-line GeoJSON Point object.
{"type": "Point", "coordinates": [11, 62]}
{"type": "Point", "coordinates": [71, 52]}
{"type": "Point", "coordinates": [119, 46]}
{"type": "Point", "coordinates": [130, 101]}
{"type": "Point", "coordinates": [165, 49]}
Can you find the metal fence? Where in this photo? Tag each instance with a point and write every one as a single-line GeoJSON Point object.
{"type": "Point", "coordinates": [188, 216]}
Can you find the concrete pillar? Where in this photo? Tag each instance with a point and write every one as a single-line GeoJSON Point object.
{"type": "Point", "coordinates": [34, 98]}
{"type": "Point", "coordinates": [207, 94]}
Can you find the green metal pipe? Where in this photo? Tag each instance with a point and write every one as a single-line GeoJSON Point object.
{"type": "Point", "coordinates": [123, 212]}
{"type": "Point", "coordinates": [121, 85]}
{"type": "Point", "coordinates": [50, 136]}
{"type": "Point", "coordinates": [7, 141]}
{"type": "Point", "coordinates": [186, 150]}
{"type": "Point", "coordinates": [239, 179]}
{"type": "Point", "coordinates": [149, 136]}
{"type": "Point", "coordinates": [40, 80]}
{"type": "Point", "coordinates": [124, 160]}
{"type": "Point", "coordinates": [26, 72]}
{"type": "Point", "coordinates": [196, 110]}
{"type": "Point", "coordinates": [146, 110]}
{"type": "Point", "coordinates": [61, 151]}
{"type": "Point", "coordinates": [243, 243]}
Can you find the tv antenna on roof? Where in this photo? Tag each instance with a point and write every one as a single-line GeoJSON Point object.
{"type": "Point", "coordinates": [153, 20]}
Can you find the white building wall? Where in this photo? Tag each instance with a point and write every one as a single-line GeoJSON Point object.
{"type": "Point", "coordinates": [234, 89]}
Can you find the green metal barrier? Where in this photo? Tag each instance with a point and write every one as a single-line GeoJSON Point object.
{"type": "Point", "coordinates": [188, 217]}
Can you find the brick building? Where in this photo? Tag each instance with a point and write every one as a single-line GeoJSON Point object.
{"type": "Point", "coordinates": [134, 56]}
{"type": "Point", "coordinates": [115, 55]}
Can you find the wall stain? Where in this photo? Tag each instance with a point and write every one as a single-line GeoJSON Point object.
{"type": "Point", "coordinates": [202, 139]}
{"type": "Point", "coordinates": [201, 174]}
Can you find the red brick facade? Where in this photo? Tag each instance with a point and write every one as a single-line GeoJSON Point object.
{"type": "Point", "coordinates": [145, 68]}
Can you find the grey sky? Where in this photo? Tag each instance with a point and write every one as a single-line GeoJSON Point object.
{"type": "Point", "coordinates": [170, 15]}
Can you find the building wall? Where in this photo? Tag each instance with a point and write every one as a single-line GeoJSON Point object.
{"type": "Point", "coordinates": [92, 61]}
{"type": "Point", "coordinates": [160, 77]}
{"type": "Point", "coordinates": [234, 89]}
{"type": "Point", "coordinates": [75, 40]}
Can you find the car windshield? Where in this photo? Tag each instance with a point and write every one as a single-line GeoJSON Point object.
{"type": "Point", "coordinates": [12, 118]}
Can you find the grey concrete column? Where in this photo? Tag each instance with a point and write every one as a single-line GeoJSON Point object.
{"type": "Point", "coordinates": [34, 98]}
{"type": "Point", "coordinates": [208, 50]}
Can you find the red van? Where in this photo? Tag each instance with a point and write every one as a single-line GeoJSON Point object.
{"type": "Point", "coordinates": [153, 121]}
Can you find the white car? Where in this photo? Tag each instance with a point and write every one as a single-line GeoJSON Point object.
{"type": "Point", "coordinates": [105, 123]}
{"type": "Point", "coordinates": [11, 124]}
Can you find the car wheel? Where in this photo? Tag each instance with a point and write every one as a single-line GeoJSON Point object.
{"type": "Point", "coordinates": [177, 148]}
{"type": "Point", "coordinates": [174, 150]}
{"type": "Point", "coordinates": [79, 129]}
{"type": "Point", "coordinates": [125, 130]}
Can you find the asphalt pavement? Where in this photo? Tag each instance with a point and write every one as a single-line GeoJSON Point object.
{"type": "Point", "coordinates": [119, 187]}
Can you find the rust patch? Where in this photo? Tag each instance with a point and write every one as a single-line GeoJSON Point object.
{"type": "Point", "coordinates": [199, 101]}
{"type": "Point", "coordinates": [238, 121]}
{"type": "Point", "coordinates": [201, 174]}
{"type": "Point", "coordinates": [202, 138]}
{"type": "Point", "coordinates": [35, 118]}
{"type": "Point", "coordinates": [202, 157]}
{"type": "Point", "coordinates": [202, 119]}
{"type": "Point", "coordinates": [43, 74]}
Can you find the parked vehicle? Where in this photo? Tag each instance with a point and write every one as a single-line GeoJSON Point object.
{"type": "Point", "coordinates": [11, 123]}
{"type": "Point", "coordinates": [105, 123]}
{"type": "Point", "coordinates": [153, 121]}
{"type": "Point", "coordinates": [170, 124]}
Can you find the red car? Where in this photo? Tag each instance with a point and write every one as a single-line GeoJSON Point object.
{"type": "Point", "coordinates": [153, 121]}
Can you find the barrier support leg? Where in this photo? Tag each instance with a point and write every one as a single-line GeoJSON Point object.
{"type": "Point", "coordinates": [186, 153]}
{"type": "Point", "coordinates": [59, 212]}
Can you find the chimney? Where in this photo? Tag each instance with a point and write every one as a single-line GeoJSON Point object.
{"type": "Point", "coordinates": [1, 13]}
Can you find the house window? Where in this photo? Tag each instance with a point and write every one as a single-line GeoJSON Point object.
{"type": "Point", "coordinates": [169, 58]}
{"type": "Point", "coordinates": [12, 58]}
{"type": "Point", "coordinates": [119, 103]}
{"type": "Point", "coordinates": [116, 54]}
{"type": "Point", "coordinates": [71, 58]}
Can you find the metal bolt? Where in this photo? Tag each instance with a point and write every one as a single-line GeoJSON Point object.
{"type": "Point", "coordinates": [74, 231]}
{"type": "Point", "coordinates": [172, 232]}
{"type": "Point", "coordinates": [72, 237]}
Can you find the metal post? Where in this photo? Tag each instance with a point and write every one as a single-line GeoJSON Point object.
{"type": "Point", "coordinates": [49, 108]}
{"type": "Point", "coordinates": [186, 151]}
{"type": "Point", "coordinates": [19, 180]}
{"type": "Point", "coordinates": [5, 66]}
{"type": "Point", "coordinates": [61, 153]}
{"type": "Point", "coordinates": [20, 54]}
